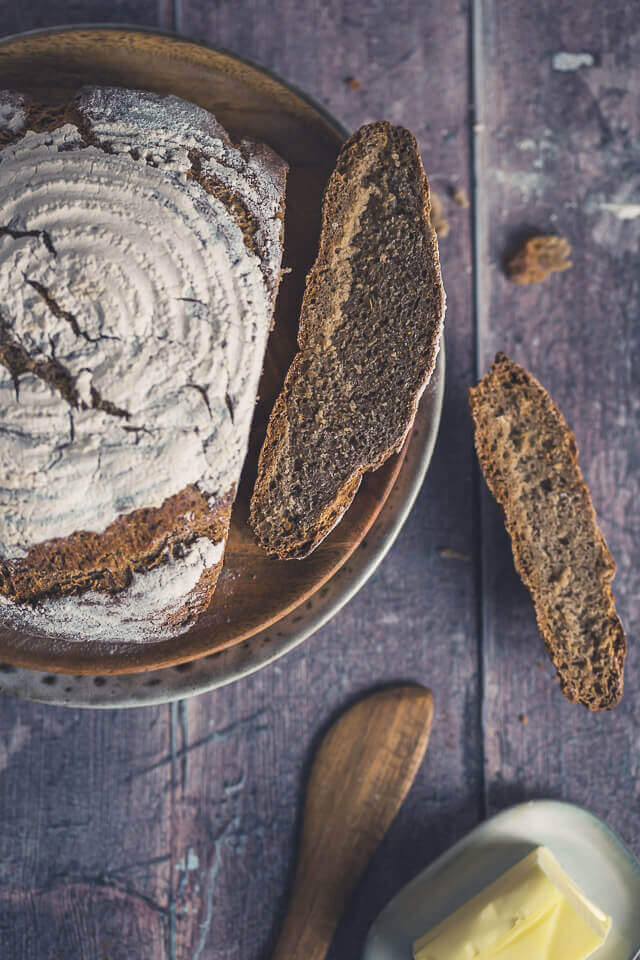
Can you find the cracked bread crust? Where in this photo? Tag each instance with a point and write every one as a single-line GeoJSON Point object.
{"type": "Point", "coordinates": [146, 539]}
{"type": "Point", "coordinates": [106, 561]}
{"type": "Point", "coordinates": [369, 334]}
{"type": "Point", "coordinates": [530, 461]}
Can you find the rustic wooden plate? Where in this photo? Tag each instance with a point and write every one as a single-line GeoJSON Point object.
{"type": "Point", "coordinates": [254, 591]}
{"type": "Point", "coordinates": [263, 648]}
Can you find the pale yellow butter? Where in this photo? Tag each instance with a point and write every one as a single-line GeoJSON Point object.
{"type": "Point", "coordinates": [532, 912]}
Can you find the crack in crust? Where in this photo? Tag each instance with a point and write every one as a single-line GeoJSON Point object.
{"type": "Point", "coordinates": [134, 543]}
{"type": "Point", "coordinates": [66, 315]}
{"type": "Point", "coordinates": [20, 234]}
{"type": "Point", "coordinates": [247, 222]}
{"type": "Point", "coordinates": [18, 361]}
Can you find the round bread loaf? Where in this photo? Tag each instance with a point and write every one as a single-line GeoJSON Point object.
{"type": "Point", "coordinates": [140, 256]}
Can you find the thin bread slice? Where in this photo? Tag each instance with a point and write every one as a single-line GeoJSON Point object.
{"type": "Point", "coordinates": [369, 334]}
{"type": "Point", "coordinates": [530, 460]}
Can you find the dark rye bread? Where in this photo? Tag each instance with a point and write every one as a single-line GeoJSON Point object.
{"type": "Point", "coordinates": [369, 334]}
{"type": "Point", "coordinates": [530, 461]}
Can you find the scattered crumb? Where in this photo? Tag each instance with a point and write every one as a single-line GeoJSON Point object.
{"type": "Point", "coordinates": [286, 270]}
{"type": "Point", "coordinates": [438, 219]}
{"type": "Point", "coordinates": [524, 719]}
{"type": "Point", "coordinates": [461, 198]}
{"type": "Point", "coordinates": [556, 679]}
{"type": "Point", "coordinates": [540, 665]}
{"type": "Point", "coordinates": [448, 554]}
{"type": "Point", "coordinates": [537, 258]}
{"type": "Point", "coordinates": [353, 82]}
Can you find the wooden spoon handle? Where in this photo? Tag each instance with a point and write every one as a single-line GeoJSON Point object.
{"type": "Point", "coordinates": [361, 774]}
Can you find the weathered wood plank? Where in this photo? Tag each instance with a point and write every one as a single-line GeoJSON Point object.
{"type": "Point", "coordinates": [85, 832]}
{"type": "Point", "coordinates": [85, 827]}
{"type": "Point", "coordinates": [559, 152]}
{"type": "Point", "coordinates": [416, 619]}
{"type": "Point", "coordinates": [16, 17]}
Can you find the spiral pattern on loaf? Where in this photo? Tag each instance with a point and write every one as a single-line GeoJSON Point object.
{"type": "Point", "coordinates": [133, 321]}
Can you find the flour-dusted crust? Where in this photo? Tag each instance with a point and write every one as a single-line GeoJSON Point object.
{"type": "Point", "coordinates": [530, 461]}
{"type": "Point", "coordinates": [369, 335]}
{"type": "Point", "coordinates": [140, 257]}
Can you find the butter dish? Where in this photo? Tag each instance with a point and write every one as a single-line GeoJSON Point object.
{"type": "Point", "coordinates": [583, 844]}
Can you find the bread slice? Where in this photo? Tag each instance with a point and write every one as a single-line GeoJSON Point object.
{"type": "Point", "coordinates": [369, 333]}
{"type": "Point", "coordinates": [530, 460]}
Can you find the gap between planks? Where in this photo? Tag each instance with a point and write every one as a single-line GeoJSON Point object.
{"type": "Point", "coordinates": [478, 300]}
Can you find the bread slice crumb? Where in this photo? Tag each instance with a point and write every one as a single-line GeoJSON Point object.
{"type": "Point", "coordinates": [369, 335]}
{"type": "Point", "coordinates": [530, 461]}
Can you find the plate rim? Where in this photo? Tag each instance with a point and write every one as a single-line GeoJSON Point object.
{"type": "Point", "coordinates": [308, 98]}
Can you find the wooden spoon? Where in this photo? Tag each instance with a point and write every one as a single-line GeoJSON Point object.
{"type": "Point", "coordinates": [361, 774]}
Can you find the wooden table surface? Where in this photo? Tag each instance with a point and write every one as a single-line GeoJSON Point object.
{"type": "Point", "coordinates": [168, 832]}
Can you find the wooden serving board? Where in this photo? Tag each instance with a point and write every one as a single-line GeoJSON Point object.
{"type": "Point", "coordinates": [254, 591]}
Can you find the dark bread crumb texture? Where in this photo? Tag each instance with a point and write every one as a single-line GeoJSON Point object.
{"type": "Point", "coordinates": [141, 540]}
{"type": "Point", "coordinates": [369, 333]}
{"type": "Point", "coordinates": [530, 461]}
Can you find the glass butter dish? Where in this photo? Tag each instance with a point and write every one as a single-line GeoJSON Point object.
{"type": "Point", "coordinates": [587, 849]}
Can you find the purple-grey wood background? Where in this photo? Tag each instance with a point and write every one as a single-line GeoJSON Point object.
{"type": "Point", "coordinates": [169, 832]}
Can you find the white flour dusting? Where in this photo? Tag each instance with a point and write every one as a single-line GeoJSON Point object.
{"type": "Point", "coordinates": [133, 615]}
{"type": "Point", "coordinates": [12, 112]}
{"type": "Point", "coordinates": [120, 271]}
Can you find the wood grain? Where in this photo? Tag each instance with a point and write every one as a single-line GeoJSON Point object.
{"type": "Point", "coordinates": [361, 774]}
{"type": "Point", "coordinates": [18, 17]}
{"type": "Point", "coordinates": [85, 837]}
{"type": "Point", "coordinates": [557, 152]}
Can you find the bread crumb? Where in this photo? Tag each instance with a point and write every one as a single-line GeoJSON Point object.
{"type": "Point", "coordinates": [353, 82]}
{"type": "Point", "coordinates": [448, 554]}
{"type": "Point", "coordinates": [524, 719]}
{"type": "Point", "coordinates": [537, 258]}
{"type": "Point", "coordinates": [461, 198]}
{"type": "Point", "coordinates": [438, 219]}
